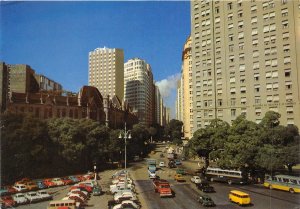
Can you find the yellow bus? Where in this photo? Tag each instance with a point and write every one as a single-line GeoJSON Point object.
{"type": "Point", "coordinates": [283, 182]}
{"type": "Point", "coordinates": [241, 198]}
{"type": "Point", "coordinates": [62, 204]}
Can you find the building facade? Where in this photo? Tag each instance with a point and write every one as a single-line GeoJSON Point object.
{"type": "Point", "coordinates": [245, 60]}
{"type": "Point", "coordinates": [179, 100]}
{"type": "Point", "coordinates": [138, 89]}
{"type": "Point", "coordinates": [187, 89]}
{"type": "Point", "coordinates": [21, 78]}
{"type": "Point", "coordinates": [88, 104]}
{"type": "Point", "coordinates": [106, 71]}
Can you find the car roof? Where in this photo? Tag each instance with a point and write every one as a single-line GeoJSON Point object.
{"type": "Point", "coordinates": [238, 192]}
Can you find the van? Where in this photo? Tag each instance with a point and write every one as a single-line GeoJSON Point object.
{"type": "Point", "coordinates": [59, 204]}
{"type": "Point", "coordinates": [241, 198]}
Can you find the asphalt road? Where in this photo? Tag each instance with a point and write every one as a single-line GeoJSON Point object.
{"type": "Point", "coordinates": [185, 192]}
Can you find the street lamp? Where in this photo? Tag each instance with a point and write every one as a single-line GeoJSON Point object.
{"type": "Point", "coordinates": [126, 135]}
{"type": "Point", "coordinates": [95, 167]}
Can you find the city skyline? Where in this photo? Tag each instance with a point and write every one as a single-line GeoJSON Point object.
{"type": "Point", "coordinates": [54, 38]}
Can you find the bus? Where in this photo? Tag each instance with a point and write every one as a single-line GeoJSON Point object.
{"type": "Point", "coordinates": [224, 175]}
{"type": "Point", "coordinates": [283, 182]}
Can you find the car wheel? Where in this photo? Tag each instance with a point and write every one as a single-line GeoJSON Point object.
{"type": "Point", "coordinates": [292, 191]}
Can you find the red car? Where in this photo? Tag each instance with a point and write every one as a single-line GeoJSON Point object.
{"type": "Point", "coordinates": [8, 201]}
{"type": "Point", "coordinates": [49, 183]}
{"type": "Point", "coordinates": [80, 177]}
{"type": "Point", "coordinates": [86, 187]}
{"type": "Point", "coordinates": [67, 181]}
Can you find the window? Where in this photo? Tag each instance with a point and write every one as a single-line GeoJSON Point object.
{"type": "Point", "coordinates": [230, 16]}
{"type": "Point", "coordinates": [272, 27]}
{"type": "Point", "coordinates": [287, 60]}
{"type": "Point", "coordinates": [217, 10]}
{"type": "Point", "coordinates": [230, 37]}
{"type": "Point", "coordinates": [241, 35]}
{"type": "Point", "coordinates": [256, 88]}
{"type": "Point", "coordinates": [256, 76]}
{"type": "Point", "coordinates": [285, 36]}
{"type": "Point", "coordinates": [269, 87]}
{"type": "Point", "coordinates": [232, 101]}
{"type": "Point", "coordinates": [266, 28]}
{"type": "Point", "coordinates": [285, 24]}
{"type": "Point", "coordinates": [254, 32]}
{"type": "Point", "coordinates": [255, 54]}
{"type": "Point", "coordinates": [230, 26]}
{"type": "Point", "coordinates": [240, 24]}
{"type": "Point", "coordinates": [274, 63]}
{"type": "Point", "coordinates": [286, 48]}
{"type": "Point", "coordinates": [243, 90]}
{"type": "Point", "coordinates": [287, 72]}
{"type": "Point", "coordinates": [253, 8]}
{"type": "Point", "coordinates": [288, 85]}
{"type": "Point", "coordinates": [243, 100]}
{"type": "Point", "coordinates": [289, 110]}
{"type": "Point", "coordinates": [253, 20]}
{"type": "Point", "coordinates": [242, 67]}
{"type": "Point", "coordinates": [257, 100]}
{"type": "Point", "coordinates": [256, 66]}
{"type": "Point", "coordinates": [229, 6]}
{"type": "Point", "coordinates": [258, 111]}
{"type": "Point", "coordinates": [217, 20]}
{"type": "Point", "coordinates": [275, 86]}
{"type": "Point", "coordinates": [284, 12]}
{"type": "Point", "coordinates": [241, 46]}
{"type": "Point", "coordinates": [272, 15]}
{"type": "Point", "coordinates": [231, 47]}
{"type": "Point", "coordinates": [240, 13]}
{"type": "Point", "coordinates": [233, 112]}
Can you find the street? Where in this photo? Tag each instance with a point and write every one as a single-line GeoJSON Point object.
{"type": "Point", "coordinates": [185, 192]}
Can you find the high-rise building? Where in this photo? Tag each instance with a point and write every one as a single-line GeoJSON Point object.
{"type": "Point", "coordinates": [138, 88]}
{"type": "Point", "coordinates": [157, 106]}
{"type": "Point", "coordinates": [106, 71]}
{"type": "Point", "coordinates": [246, 59]}
{"type": "Point", "coordinates": [187, 88]}
{"type": "Point", "coordinates": [179, 100]}
{"type": "Point", "coordinates": [47, 84]}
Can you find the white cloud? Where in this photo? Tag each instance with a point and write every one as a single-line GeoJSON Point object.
{"type": "Point", "coordinates": [167, 85]}
{"type": "Point", "coordinates": [168, 90]}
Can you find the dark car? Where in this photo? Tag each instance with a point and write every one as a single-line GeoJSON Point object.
{"type": "Point", "coordinates": [205, 187]}
{"type": "Point", "coordinates": [171, 164]}
{"type": "Point", "coordinates": [205, 200]}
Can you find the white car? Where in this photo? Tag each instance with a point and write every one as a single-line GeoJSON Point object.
{"type": "Point", "coordinates": [44, 195]}
{"type": "Point", "coordinates": [115, 186]}
{"type": "Point", "coordinates": [196, 179]}
{"type": "Point", "coordinates": [20, 199]}
{"type": "Point", "coordinates": [90, 183]}
{"type": "Point", "coordinates": [20, 187]}
{"type": "Point", "coordinates": [152, 175]}
{"type": "Point", "coordinates": [162, 164]}
{"type": "Point", "coordinates": [115, 181]}
{"type": "Point", "coordinates": [57, 181]}
{"type": "Point", "coordinates": [79, 190]}
{"type": "Point", "coordinates": [124, 196]}
{"type": "Point", "coordinates": [127, 204]}
{"type": "Point", "coordinates": [32, 197]}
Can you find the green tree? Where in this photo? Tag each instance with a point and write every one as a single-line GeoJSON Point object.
{"type": "Point", "coordinates": [173, 131]}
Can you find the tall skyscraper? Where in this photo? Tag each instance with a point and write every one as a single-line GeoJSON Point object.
{"type": "Point", "coordinates": [246, 59]}
{"type": "Point", "coordinates": [179, 100]}
{"type": "Point", "coordinates": [187, 88]}
{"type": "Point", "coordinates": [106, 71]}
{"type": "Point", "coordinates": [138, 87]}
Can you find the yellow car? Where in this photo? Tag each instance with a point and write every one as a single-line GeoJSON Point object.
{"type": "Point", "coordinates": [31, 186]}
{"type": "Point", "coordinates": [241, 198]}
{"type": "Point", "coordinates": [178, 177]}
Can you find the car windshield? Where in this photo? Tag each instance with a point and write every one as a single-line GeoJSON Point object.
{"type": "Point", "coordinates": [207, 198]}
{"type": "Point", "coordinates": [165, 186]}
{"type": "Point", "coordinates": [43, 193]}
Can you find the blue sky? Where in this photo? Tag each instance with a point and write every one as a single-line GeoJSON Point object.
{"type": "Point", "coordinates": [54, 38]}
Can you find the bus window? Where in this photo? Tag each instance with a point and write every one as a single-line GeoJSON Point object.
{"type": "Point", "coordinates": [293, 181]}
{"type": "Point", "coordinates": [285, 180]}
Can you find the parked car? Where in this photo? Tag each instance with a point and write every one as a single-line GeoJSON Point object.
{"type": "Point", "coordinates": [8, 201]}
{"type": "Point", "coordinates": [23, 180]}
{"type": "Point", "coordinates": [80, 190]}
{"type": "Point", "coordinates": [162, 164]}
{"type": "Point", "coordinates": [74, 179]}
{"type": "Point", "coordinates": [32, 197]}
{"type": "Point", "coordinates": [67, 181]}
{"type": "Point", "coordinates": [78, 193]}
{"type": "Point", "coordinates": [205, 187]}
{"type": "Point", "coordinates": [40, 184]}
{"type": "Point", "coordinates": [119, 197]}
{"type": "Point", "coordinates": [57, 181]}
{"type": "Point", "coordinates": [3, 191]}
{"type": "Point", "coordinates": [44, 195]}
{"type": "Point", "coordinates": [31, 186]}
{"type": "Point", "coordinates": [20, 199]}
{"type": "Point", "coordinates": [20, 187]}
{"type": "Point", "coordinates": [205, 200]}
{"type": "Point", "coordinates": [126, 204]}
{"type": "Point", "coordinates": [49, 183]}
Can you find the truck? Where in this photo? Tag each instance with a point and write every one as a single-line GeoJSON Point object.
{"type": "Point", "coordinates": [162, 187]}
{"type": "Point", "coordinates": [151, 165]}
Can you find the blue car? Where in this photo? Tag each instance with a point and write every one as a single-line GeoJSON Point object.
{"type": "Point", "coordinates": [3, 191]}
{"type": "Point", "coordinates": [74, 179]}
{"type": "Point", "coordinates": [40, 184]}
{"type": "Point", "coordinates": [177, 162]}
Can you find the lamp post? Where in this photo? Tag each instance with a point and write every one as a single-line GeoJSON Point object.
{"type": "Point", "coordinates": [126, 135]}
{"type": "Point", "coordinates": [95, 167]}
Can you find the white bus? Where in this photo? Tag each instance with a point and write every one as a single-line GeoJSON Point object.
{"type": "Point", "coordinates": [225, 175]}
